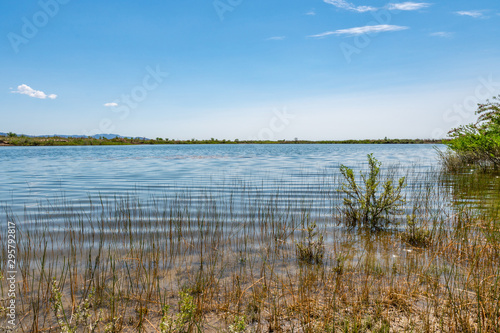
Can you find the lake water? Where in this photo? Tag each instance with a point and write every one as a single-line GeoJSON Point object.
{"type": "Point", "coordinates": [33, 175]}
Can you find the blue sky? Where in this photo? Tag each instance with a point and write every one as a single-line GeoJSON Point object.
{"type": "Point", "coordinates": [316, 69]}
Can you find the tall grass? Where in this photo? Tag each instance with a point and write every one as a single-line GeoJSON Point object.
{"type": "Point", "coordinates": [258, 261]}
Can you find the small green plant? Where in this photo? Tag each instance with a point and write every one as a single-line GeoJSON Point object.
{"type": "Point", "coordinates": [416, 234]}
{"type": "Point", "coordinates": [338, 268]}
{"type": "Point", "coordinates": [184, 320]}
{"type": "Point", "coordinates": [115, 325]}
{"type": "Point", "coordinates": [311, 250]}
{"type": "Point", "coordinates": [166, 323]}
{"type": "Point", "coordinates": [80, 320]}
{"type": "Point", "coordinates": [239, 325]}
{"type": "Point", "coordinates": [363, 205]}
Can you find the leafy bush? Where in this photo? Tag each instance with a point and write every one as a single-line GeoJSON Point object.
{"type": "Point", "coordinates": [479, 143]}
{"type": "Point", "coordinates": [363, 205]}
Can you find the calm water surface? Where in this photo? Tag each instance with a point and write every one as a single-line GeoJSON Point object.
{"type": "Point", "coordinates": [32, 175]}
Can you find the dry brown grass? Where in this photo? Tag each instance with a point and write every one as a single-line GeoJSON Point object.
{"type": "Point", "coordinates": [208, 267]}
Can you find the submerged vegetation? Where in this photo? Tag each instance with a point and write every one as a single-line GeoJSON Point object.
{"type": "Point", "coordinates": [254, 261]}
{"type": "Point", "coordinates": [12, 139]}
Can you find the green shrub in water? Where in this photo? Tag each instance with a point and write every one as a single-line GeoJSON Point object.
{"type": "Point", "coordinates": [372, 205]}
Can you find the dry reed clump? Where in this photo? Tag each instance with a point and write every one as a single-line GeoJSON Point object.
{"type": "Point", "coordinates": [257, 264]}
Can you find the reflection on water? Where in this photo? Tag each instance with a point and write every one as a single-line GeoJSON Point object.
{"type": "Point", "coordinates": [37, 180]}
{"type": "Point", "coordinates": [478, 190]}
{"type": "Point", "coordinates": [34, 174]}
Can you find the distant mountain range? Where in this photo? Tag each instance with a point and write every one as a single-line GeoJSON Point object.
{"type": "Point", "coordinates": [96, 136]}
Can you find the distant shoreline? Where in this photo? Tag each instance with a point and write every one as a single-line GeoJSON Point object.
{"type": "Point", "coordinates": [25, 141]}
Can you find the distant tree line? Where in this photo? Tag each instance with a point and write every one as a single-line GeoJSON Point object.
{"type": "Point", "coordinates": [22, 140]}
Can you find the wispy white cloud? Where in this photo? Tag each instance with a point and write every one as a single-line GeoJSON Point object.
{"type": "Point", "coordinates": [311, 13]}
{"type": "Point", "coordinates": [24, 89]}
{"type": "Point", "coordinates": [276, 38]}
{"type": "Point", "coordinates": [471, 13]}
{"type": "Point", "coordinates": [349, 6]}
{"type": "Point", "coordinates": [408, 5]}
{"type": "Point", "coordinates": [443, 34]}
{"type": "Point", "coordinates": [110, 105]}
{"type": "Point", "coordinates": [369, 29]}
